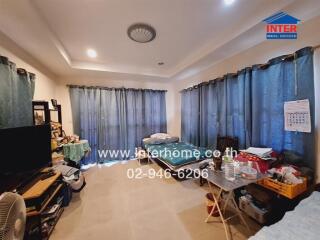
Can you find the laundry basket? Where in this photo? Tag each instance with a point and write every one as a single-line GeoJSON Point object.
{"type": "Point", "coordinates": [288, 190]}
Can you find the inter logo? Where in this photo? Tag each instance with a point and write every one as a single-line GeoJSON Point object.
{"type": "Point", "coordinates": [281, 26]}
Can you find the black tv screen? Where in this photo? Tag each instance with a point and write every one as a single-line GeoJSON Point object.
{"type": "Point", "coordinates": [24, 149]}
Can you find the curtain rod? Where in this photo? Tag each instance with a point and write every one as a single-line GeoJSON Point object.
{"type": "Point", "coordinates": [258, 66]}
{"type": "Point", "coordinates": [114, 88]}
{"type": "Point", "coordinates": [5, 60]}
{"type": "Point", "coordinates": [315, 47]}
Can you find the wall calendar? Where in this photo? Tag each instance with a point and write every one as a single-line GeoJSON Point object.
{"type": "Point", "coordinates": [297, 116]}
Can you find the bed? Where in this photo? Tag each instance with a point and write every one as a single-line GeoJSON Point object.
{"type": "Point", "coordinates": [301, 223]}
{"type": "Point", "coordinates": [174, 155]}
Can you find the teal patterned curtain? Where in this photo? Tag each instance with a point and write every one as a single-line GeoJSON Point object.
{"type": "Point", "coordinates": [16, 94]}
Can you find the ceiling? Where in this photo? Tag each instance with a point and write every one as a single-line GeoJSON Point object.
{"type": "Point", "coordinates": [191, 34]}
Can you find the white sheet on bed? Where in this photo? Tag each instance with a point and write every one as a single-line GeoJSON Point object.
{"type": "Point", "coordinates": [301, 223]}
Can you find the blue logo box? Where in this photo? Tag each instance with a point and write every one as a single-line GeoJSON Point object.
{"type": "Point", "coordinates": [282, 35]}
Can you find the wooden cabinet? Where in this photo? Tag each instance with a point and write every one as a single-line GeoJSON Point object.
{"type": "Point", "coordinates": [42, 114]}
{"type": "Point", "coordinates": [41, 196]}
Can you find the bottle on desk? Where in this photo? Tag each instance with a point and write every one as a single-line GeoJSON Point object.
{"type": "Point", "coordinates": [228, 165]}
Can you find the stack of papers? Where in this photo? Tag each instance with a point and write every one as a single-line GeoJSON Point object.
{"type": "Point", "coordinates": [260, 152]}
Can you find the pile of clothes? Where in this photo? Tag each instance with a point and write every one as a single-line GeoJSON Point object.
{"type": "Point", "coordinates": [286, 174]}
{"type": "Point", "coordinates": [286, 167]}
{"type": "Point", "coordinates": [262, 158]}
{"type": "Point", "coordinates": [72, 176]}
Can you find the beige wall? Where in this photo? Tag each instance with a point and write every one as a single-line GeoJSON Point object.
{"type": "Point", "coordinates": [309, 35]}
{"type": "Point", "coordinates": [62, 96]}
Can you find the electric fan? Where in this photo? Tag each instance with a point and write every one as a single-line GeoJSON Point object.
{"type": "Point", "coordinates": [12, 216]}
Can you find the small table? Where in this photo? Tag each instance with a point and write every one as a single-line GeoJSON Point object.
{"type": "Point", "coordinates": [76, 151]}
{"type": "Point", "coordinates": [217, 178]}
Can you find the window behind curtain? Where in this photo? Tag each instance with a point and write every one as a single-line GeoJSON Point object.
{"type": "Point", "coordinates": [249, 105]}
{"type": "Point", "coordinates": [116, 119]}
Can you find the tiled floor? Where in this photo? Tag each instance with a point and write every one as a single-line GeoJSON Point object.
{"type": "Point", "coordinates": [112, 206]}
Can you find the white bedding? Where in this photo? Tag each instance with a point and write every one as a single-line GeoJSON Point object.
{"type": "Point", "coordinates": [301, 223]}
{"type": "Point", "coordinates": [160, 135]}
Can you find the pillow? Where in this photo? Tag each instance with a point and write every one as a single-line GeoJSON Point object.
{"type": "Point", "coordinates": [160, 135]}
{"type": "Point", "coordinates": [156, 141]}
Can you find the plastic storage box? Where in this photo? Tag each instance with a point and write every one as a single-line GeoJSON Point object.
{"type": "Point", "coordinates": [247, 206]}
{"type": "Point", "coordinates": [288, 190]}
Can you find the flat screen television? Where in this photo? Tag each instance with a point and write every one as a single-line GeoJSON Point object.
{"type": "Point", "coordinates": [24, 150]}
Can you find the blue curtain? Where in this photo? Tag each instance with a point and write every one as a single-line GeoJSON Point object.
{"type": "Point", "coordinates": [16, 94]}
{"type": "Point", "coordinates": [190, 107]}
{"type": "Point", "coordinates": [250, 104]}
{"type": "Point", "coordinates": [116, 119]}
{"type": "Point", "coordinates": [219, 107]}
{"type": "Point", "coordinates": [283, 80]}
{"type": "Point", "coordinates": [238, 106]}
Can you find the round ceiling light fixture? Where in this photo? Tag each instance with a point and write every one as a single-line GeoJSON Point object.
{"type": "Point", "coordinates": [141, 33]}
{"type": "Point", "coordinates": [229, 2]}
{"type": "Point", "coordinates": [91, 53]}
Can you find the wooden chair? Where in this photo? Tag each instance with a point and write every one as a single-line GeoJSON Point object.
{"type": "Point", "coordinates": [227, 142]}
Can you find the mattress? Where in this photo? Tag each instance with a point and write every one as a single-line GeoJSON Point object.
{"type": "Point", "coordinates": [176, 154]}
{"type": "Point", "coordinates": [301, 223]}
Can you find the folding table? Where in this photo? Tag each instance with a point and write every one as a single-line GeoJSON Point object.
{"type": "Point", "coordinates": [217, 178]}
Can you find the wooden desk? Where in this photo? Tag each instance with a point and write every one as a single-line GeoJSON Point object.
{"type": "Point", "coordinates": [40, 187]}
